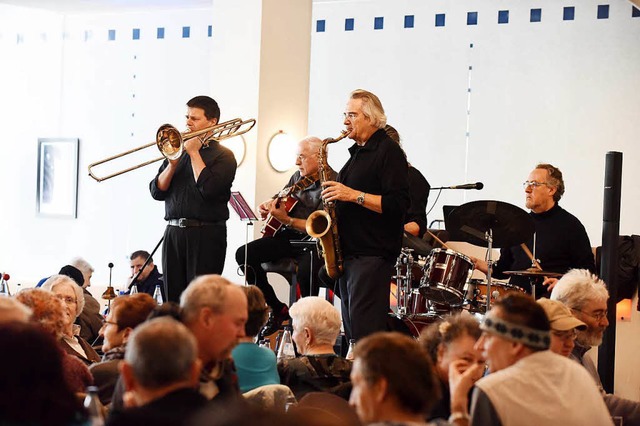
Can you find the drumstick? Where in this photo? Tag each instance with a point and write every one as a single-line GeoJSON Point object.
{"type": "Point", "coordinates": [530, 255]}
{"type": "Point", "coordinates": [438, 240]}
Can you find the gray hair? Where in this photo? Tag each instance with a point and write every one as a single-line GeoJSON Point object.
{"type": "Point", "coordinates": [320, 316]}
{"type": "Point", "coordinates": [371, 107]}
{"type": "Point", "coordinates": [205, 290]}
{"type": "Point", "coordinates": [579, 286]}
{"type": "Point", "coordinates": [84, 266]}
{"type": "Point", "coordinates": [56, 280]}
{"type": "Point", "coordinates": [161, 352]}
{"type": "Point", "coordinates": [13, 310]}
{"type": "Point", "coordinates": [312, 142]}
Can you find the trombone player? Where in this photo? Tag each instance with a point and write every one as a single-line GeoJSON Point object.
{"type": "Point", "coordinates": [195, 189]}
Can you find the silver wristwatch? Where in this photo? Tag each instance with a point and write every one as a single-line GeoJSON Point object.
{"type": "Point", "coordinates": [360, 199]}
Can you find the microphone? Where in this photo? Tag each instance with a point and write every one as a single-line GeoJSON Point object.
{"type": "Point", "coordinates": [477, 185]}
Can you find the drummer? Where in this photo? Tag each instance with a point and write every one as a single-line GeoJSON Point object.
{"type": "Point", "coordinates": [561, 242]}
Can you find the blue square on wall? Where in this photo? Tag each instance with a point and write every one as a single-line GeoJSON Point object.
{"type": "Point", "coordinates": [186, 32]}
{"type": "Point", "coordinates": [136, 34]}
{"type": "Point", "coordinates": [536, 15]}
{"type": "Point", "coordinates": [569, 13]}
{"type": "Point", "coordinates": [112, 35]}
{"type": "Point", "coordinates": [603, 11]}
{"type": "Point", "coordinates": [378, 23]}
{"type": "Point", "coordinates": [440, 20]}
{"type": "Point", "coordinates": [320, 25]}
{"type": "Point", "coordinates": [160, 32]}
{"type": "Point", "coordinates": [209, 30]}
{"type": "Point", "coordinates": [408, 21]}
{"type": "Point", "coordinates": [472, 18]}
{"type": "Point", "coordinates": [503, 17]}
{"type": "Point", "coordinates": [348, 24]}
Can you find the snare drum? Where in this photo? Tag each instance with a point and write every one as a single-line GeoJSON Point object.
{"type": "Point", "coordinates": [476, 291]}
{"type": "Point", "coordinates": [446, 274]}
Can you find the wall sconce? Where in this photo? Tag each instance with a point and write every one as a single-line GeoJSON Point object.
{"type": "Point", "coordinates": [238, 146]}
{"type": "Point", "coordinates": [281, 152]}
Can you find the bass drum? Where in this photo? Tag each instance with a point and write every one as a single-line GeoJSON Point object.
{"type": "Point", "coordinates": [411, 325]}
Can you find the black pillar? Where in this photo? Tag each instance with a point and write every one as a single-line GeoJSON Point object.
{"type": "Point", "coordinates": [609, 263]}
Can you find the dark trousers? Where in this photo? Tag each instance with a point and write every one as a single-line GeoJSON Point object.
{"type": "Point", "coordinates": [364, 292]}
{"type": "Point", "coordinates": [271, 249]}
{"type": "Point", "coordinates": [190, 252]}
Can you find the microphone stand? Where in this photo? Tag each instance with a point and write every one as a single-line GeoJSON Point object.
{"type": "Point", "coordinates": [144, 265]}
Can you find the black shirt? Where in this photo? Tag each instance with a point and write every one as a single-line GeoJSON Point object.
{"type": "Point", "coordinates": [206, 199]}
{"type": "Point", "coordinates": [379, 167]}
{"type": "Point", "coordinates": [562, 243]}
{"type": "Point", "coordinates": [418, 194]}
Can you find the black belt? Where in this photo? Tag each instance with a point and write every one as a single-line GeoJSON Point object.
{"type": "Point", "coordinates": [188, 223]}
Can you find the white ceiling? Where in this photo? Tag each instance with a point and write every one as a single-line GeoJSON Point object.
{"type": "Point", "coordinates": [87, 6]}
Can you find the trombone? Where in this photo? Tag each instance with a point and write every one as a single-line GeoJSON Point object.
{"type": "Point", "coordinates": [170, 142]}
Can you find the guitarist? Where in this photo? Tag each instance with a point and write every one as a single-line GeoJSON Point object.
{"type": "Point", "coordinates": [284, 226]}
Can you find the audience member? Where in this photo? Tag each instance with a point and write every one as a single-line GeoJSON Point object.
{"type": "Point", "coordinates": [528, 384]}
{"type": "Point", "coordinates": [13, 310]}
{"type": "Point", "coordinates": [33, 388]}
{"type": "Point", "coordinates": [316, 325]}
{"type": "Point", "coordinates": [160, 371]}
{"type": "Point", "coordinates": [451, 339]}
{"type": "Point", "coordinates": [393, 380]}
{"type": "Point", "coordinates": [50, 313]}
{"type": "Point", "coordinates": [149, 278]}
{"type": "Point", "coordinates": [586, 295]}
{"type": "Point", "coordinates": [256, 365]}
{"type": "Point", "coordinates": [71, 294]}
{"type": "Point", "coordinates": [126, 313]}
{"type": "Point", "coordinates": [215, 310]}
{"type": "Point", "coordinates": [564, 326]}
{"type": "Point", "coordinates": [90, 319]}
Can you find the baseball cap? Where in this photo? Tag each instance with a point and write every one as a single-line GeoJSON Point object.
{"type": "Point", "coordinates": [560, 316]}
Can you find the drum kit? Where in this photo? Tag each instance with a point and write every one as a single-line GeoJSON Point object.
{"type": "Point", "coordinates": [432, 282]}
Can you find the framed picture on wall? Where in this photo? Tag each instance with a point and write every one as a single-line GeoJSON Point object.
{"type": "Point", "coordinates": [57, 191]}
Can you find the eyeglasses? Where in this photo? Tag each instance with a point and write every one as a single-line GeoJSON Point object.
{"type": "Point", "coordinates": [598, 316]}
{"type": "Point", "coordinates": [350, 115]}
{"type": "Point", "coordinates": [67, 299]}
{"type": "Point", "coordinates": [105, 323]}
{"type": "Point", "coordinates": [526, 184]}
{"type": "Point", "coordinates": [565, 335]}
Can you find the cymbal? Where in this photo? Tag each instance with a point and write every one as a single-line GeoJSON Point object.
{"type": "Point", "coordinates": [509, 224]}
{"type": "Point", "coordinates": [418, 245]}
{"type": "Point", "coordinates": [534, 272]}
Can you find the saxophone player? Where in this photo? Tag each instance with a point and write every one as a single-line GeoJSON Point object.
{"type": "Point", "coordinates": [277, 246]}
{"type": "Point", "coordinates": [372, 197]}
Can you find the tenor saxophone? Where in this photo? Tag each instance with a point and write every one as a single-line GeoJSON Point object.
{"type": "Point", "coordinates": [323, 224]}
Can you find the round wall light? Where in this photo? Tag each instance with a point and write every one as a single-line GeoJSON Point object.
{"type": "Point", "coordinates": [238, 146]}
{"type": "Point", "coordinates": [281, 152]}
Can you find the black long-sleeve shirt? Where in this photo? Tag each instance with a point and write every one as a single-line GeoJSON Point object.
{"type": "Point", "coordinates": [206, 199]}
{"type": "Point", "coordinates": [380, 168]}
{"type": "Point", "coordinates": [562, 243]}
{"type": "Point", "coordinates": [418, 194]}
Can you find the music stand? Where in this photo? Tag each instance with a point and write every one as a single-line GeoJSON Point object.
{"type": "Point", "coordinates": [241, 207]}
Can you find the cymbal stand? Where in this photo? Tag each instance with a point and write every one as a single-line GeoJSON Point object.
{"type": "Point", "coordinates": [489, 237]}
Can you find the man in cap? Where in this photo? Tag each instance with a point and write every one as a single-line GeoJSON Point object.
{"type": "Point", "coordinates": [564, 326]}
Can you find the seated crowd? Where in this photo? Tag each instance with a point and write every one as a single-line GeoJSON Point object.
{"type": "Point", "coordinates": [199, 362]}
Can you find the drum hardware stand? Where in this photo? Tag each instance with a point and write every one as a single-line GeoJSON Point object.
{"type": "Point", "coordinates": [403, 282]}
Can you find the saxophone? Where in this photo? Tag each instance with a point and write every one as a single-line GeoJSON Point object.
{"type": "Point", "coordinates": [323, 224]}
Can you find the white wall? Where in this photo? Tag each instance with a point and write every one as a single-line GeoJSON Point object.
{"type": "Point", "coordinates": [553, 91]}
